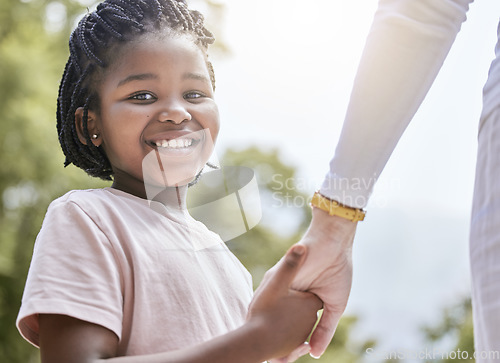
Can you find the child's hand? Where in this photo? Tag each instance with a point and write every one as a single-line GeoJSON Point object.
{"type": "Point", "coordinates": [284, 317]}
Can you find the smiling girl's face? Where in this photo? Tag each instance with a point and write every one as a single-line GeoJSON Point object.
{"type": "Point", "coordinates": [157, 99]}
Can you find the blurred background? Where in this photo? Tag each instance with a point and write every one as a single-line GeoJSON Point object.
{"type": "Point", "coordinates": [284, 70]}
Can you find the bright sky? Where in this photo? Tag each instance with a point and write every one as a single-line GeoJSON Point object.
{"type": "Point", "coordinates": [287, 84]}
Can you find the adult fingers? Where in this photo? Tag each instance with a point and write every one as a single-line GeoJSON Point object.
{"type": "Point", "coordinates": [279, 360]}
{"type": "Point", "coordinates": [301, 350]}
{"type": "Point", "coordinates": [323, 333]}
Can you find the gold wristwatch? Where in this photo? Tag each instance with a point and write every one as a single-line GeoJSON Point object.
{"type": "Point", "coordinates": [334, 208]}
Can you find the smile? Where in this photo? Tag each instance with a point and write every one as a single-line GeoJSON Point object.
{"type": "Point", "coordinates": [177, 142]}
{"type": "Point", "coordinates": [180, 143]}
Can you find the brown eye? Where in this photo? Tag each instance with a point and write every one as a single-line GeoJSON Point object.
{"type": "Point", "coordinates": [143, 96]}
{"type": "Point", "coordinates": [193, 95]}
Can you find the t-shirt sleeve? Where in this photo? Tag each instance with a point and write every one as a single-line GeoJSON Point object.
{"type": "Point", "coordinates": [407, 44]}
{"type": "Point", "coordinates": [74, 272]}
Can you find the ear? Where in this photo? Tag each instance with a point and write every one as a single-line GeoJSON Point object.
{"type": "Point", "coordinates": [91, 126]}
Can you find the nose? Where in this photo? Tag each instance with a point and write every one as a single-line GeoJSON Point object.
{"type": "Point", "coordinates": [174, 112]}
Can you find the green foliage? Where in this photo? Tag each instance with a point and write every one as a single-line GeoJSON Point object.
{"type": "Point", "coordinates": [456, 322]}
{"type": "Point", "coordinates": [261, 248]}
{"type": "Point", "coordinates": [31, 61]}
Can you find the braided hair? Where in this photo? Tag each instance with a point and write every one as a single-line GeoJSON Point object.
{"type": "Point", "coordinates": [112, 23]}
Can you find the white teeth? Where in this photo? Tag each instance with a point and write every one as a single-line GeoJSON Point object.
{"type": "Point", "coordinates": [175, 143]}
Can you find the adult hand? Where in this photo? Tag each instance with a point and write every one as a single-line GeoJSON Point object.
{"type": "Point", "coordinates": [327, 272]}
{"type": "Point", "coordinates": [285, 317]}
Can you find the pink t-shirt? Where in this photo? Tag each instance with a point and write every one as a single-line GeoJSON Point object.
{"type": "Point", "coordinates": [110, 258]}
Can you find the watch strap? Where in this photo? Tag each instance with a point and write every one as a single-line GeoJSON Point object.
{"type": "Point", "coordinates": [334, 208]}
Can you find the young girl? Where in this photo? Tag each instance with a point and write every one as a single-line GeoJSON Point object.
{"type": "Point", "coordinates": [115, 274]}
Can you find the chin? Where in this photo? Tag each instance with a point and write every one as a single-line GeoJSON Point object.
{"type": "Point", "coordinates": [157, 180]}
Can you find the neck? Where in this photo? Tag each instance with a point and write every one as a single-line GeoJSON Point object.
{"type": "Point", "coordinates": [173, 197]}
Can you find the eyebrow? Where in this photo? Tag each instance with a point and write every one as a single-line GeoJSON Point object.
{"type": "Point", "coordinates": [148, 76]}
{"type": "Point", "coordinates": [137, 77]}
{"type": "Point", "coordinates": [195, 76]}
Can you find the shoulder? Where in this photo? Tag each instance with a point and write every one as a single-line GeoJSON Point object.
{"type": "Point", "coordinates": [82, 197]}
{"type": "Point", "coordinates": [84, 207]}
{"type": "Point", "coordinates": [110, 210]}
{"type": "Point", "coordinates": [94, 201]}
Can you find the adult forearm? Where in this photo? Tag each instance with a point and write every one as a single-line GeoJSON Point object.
{"type": "Point", "coordinates": [404, 51]}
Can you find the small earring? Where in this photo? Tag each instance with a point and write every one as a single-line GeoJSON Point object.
{"type": "Point", "coordinates": [95, 136]}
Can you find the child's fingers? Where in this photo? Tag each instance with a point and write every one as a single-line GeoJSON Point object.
{"type": "Point", "coordinates": [309, 300]}
{"type": "Point", "coordinates": [287, 268]}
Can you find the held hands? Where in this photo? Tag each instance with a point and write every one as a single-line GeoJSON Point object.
{"type": "Point", "coordinates": [284, 317]}
{"type": "Point", "coordinates": [327, 272]}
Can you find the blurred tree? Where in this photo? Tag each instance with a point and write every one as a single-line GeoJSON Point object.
{"type": "Point", "coordinates": [286, 213]}
{"type": "Point", "coordinates": [456, 323]}
{"type": "Point", "coordinates": [33, 49]}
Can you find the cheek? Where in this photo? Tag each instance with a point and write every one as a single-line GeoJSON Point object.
{"type": "Point", "coordinates": [213, 122]}
{"type": "Point", "coordinates": [121, 133]}
{"type": "Point", "coordinates": [125, 121]}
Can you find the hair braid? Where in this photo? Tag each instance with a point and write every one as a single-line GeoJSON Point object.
{"type": "Point", "coordinates": [112, 23]}
{"type": "Point", "coordinates": [186, 19]}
